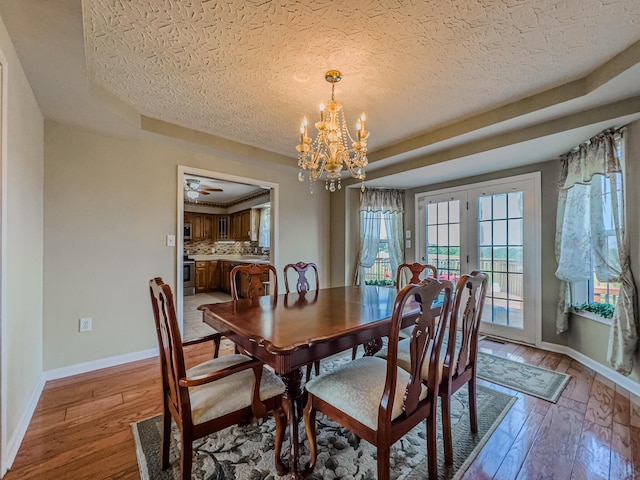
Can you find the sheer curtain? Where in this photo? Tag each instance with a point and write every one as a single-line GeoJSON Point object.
{"type": "Point", "coordinates": [586, 214]}
{"type": "Point", "coordinates": [264, 232]}
{"type": "Point", "coordinates": [378, 205]}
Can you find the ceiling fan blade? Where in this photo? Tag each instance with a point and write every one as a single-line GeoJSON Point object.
{"type": "Point", "coordinates": [211, 190]}
{"type": "Point", "coordinates": [202, 192]}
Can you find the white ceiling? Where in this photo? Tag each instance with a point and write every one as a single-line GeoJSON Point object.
{"type": "Point", "coordinates": [231, 191]}
{"type": "Point", "coordinates": [440, 81]}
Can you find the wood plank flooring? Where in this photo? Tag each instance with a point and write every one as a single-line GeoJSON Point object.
{"type": "Point", "coordinates": [81, 427]}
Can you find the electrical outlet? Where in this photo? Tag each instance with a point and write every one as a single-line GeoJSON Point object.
{"type": "Point", "coordinates": [85, 324]}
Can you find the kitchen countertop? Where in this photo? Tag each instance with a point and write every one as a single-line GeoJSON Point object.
{"type": "Point", "coordinates": [231, 258]}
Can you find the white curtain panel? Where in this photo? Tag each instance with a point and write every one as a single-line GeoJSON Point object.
{"type": "Point", "coordinates": [374, 205]}
{"type": "Point", "coordinates": [585, 215]}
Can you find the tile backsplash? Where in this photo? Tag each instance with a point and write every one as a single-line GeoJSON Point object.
{"type": "Point", "coordinates": [204, 247]}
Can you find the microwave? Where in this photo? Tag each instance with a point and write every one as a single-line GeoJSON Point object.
{"type": "Point", "coordinates": [187, 231]}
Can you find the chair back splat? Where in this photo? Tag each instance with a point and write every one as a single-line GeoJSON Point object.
{"type": "Point", "coordinates": [255, 284]}
{"type": "Point", "coordinates": [302, 284]}
{"type": "Point", "coordinates": [415, 269]}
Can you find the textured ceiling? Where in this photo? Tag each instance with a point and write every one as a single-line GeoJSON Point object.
{"type": "Point", "coordinates": [248, 71]}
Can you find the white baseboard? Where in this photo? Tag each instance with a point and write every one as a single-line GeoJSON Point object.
{"type": "Point", "coordinates": [98, 364]}
{"type": "Point", "coordinates": [611, 374]}
{"type": "Point", "coordinates": [13, 445]}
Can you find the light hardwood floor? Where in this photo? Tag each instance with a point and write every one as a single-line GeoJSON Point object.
{"type": "Point", "coordinates": [81, 427]}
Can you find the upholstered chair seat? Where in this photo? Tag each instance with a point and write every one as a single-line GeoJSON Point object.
{"type": "Point", "coordinates": [357, 387]}
{"type": "Point", "coordinates": [213, 400]}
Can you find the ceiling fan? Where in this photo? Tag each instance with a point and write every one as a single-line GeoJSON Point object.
{"type": "Point", "coordinates": [193, 189]}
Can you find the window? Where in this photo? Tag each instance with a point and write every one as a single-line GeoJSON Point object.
{"type": "Point", "coordinates": [381, 272]}
{"type": "Point", "coordinates": [595, 295]}
{"type": "Point", "coordinates": [591, 223]}
{"type": "Point", "coordinates": [381, 240]}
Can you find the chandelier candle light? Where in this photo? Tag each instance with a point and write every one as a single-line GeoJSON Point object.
{"type": "Point", "coordinates": [330, 151]}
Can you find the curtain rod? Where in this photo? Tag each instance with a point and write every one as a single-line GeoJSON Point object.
{"type": "Point", "coordinates": [608, 131]}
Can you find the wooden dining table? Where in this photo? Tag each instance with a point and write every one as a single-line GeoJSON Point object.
{"type": "Point", "coordinates": [289, 331]}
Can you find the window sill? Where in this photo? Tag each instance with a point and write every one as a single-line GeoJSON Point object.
{"type": "Point", "coordinates": [593, 316]}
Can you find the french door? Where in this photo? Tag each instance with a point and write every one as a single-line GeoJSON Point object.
{"type": "Point", "coordinates": [493, 227]}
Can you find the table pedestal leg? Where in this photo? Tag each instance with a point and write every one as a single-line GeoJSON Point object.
{"type": "Point", "coordinates": [294, 397]}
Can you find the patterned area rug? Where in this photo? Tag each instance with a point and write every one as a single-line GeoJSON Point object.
{"type": "Point", "coordinates": [537, 381]}
{"type": "Point", "coordinates": [246, 452]}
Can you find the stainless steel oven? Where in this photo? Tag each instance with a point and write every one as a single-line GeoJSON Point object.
{"type": "Point", "coordinates": [189, 277]}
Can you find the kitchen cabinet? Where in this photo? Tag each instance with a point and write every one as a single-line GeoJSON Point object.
{"type": "Point", "coordinates": [214, 275]}
{"type": "Point", "coordinates": [240, 225]}
{"type": "Point", "coordinates": [202, 277]}
{"type": "Point", "coordinates": [207, 277]}
{"type": "Point", "coordinates": [244, 224]}
{"type": "Point", "coordinates": [202, 226]}
{"type": "Point", "coordinates": [222, 230]}
{"type": "Point", "coordinates": [224, 268]}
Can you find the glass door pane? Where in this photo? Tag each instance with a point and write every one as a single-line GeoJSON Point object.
{"type": "Point", "coordinates": [500, 234]}
{"type": "Point", "coordinates": [443, 238]}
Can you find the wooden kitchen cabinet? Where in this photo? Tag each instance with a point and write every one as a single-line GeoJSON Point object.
{"type": "Point", "coordinates": [202, 276]}
{"type": "Point", "coordinates": [202, 226]}
{"type": "Point", "coordinates": [207, 276]}
{"type": "Point", "coordinates": [214, 275]}
{"type": "Point", "coordinates": [225, 269]}
{"type": "Point", "coordinates": [222, 230]}
{"type": "Point", "coordinates": [244, 223]}
{"type": "Point", "coordinates": [240, 225]}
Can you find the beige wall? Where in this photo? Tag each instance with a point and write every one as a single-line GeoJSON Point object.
{"type": "Point", "coordinates": [22, 233]}
{"type": "Point", "coordinates": [110, 202]}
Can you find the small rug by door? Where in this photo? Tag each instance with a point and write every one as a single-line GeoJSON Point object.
{"type": "Point", "coordinates": [246, 452]}
{"type": "Point", "coordinates": [537, 381]}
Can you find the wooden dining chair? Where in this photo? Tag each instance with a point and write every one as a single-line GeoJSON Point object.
{"type": "Point", "coordinates": [461, 356]}
{"type": "Point", "coordinates": [212, 395]}
{"type": "Point", "coordinates": [255, 283]}
{"type": "Point", "coordinates": [379, 401]}
{"type": "Point", "coordinates": [302, 282]}
{"type": "Point", "coordinates": [303, 285]}
{"type": "Point", "coordinates": [416, 271]}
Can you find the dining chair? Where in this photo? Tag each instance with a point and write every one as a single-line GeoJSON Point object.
{"type": "Point", "coordinates": [302, 282]}
{"type": "Point", "coordinates": [255, 286]}
{"type": "Point", "coordinates": [461, 356]}
{"type": "Point", "coordinates": [303, 285]}
{"type": "Point", "coordinates": [210, 396]}
{"type": "Point", "coordinates": [376, 399]}
{"type": "Point", "coordinates": [415, 270]}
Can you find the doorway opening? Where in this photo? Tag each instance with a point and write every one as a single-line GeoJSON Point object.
{"type": "Point", "coordinates": [222, 220]}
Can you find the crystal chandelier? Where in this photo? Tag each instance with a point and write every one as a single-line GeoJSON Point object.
{"type": "Point", "coordinates": [330, 151]}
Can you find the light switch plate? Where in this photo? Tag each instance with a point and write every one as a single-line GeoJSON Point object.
{"type": "Point", "coordinates": [171, 240]}
{"type": "Point", "coordinates": [407, 234]}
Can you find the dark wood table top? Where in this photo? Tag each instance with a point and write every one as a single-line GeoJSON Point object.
{"type": "Point", "coordinates": [291, 330]}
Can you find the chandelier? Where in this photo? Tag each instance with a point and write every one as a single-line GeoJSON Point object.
{"type": "Point", "coordinates": [330, 151]}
